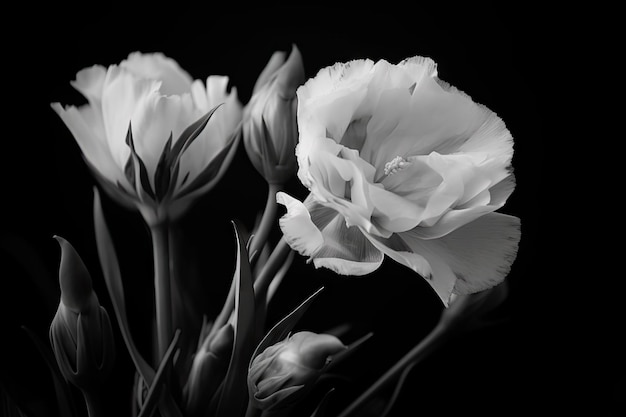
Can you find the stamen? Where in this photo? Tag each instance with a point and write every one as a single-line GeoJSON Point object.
{"type": "Point", "coordinates": [396, 164]}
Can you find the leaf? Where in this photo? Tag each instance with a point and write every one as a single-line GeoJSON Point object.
{"type": "Point", "coordinates": [113, 278]}
{"type": "Point", "coordinates": [152, 399]}
{"type": "Point", "coordinates": [135, 163]}
{"type": "Point", "coordinates": [61, 389]}
{"type": "Point", "coordinates": [234, 396]}
{"type": "Point", "coordinates": [283, 327]}
{"type": "Point", "coordinates": [162, 174]}
{"type": "Point", "coordinates": [320, 410]}
{"type": "Point", "coordinates": [214, 171]}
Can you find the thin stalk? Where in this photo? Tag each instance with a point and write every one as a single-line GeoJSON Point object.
{"type": "Point", "coordinates": [266, 223]}
{"type": "Point", "coordinates": [94, 403]}
{"type": "Point", "coordinates": [419, 352]}
{"type": "Point", "coordinates": [162, 289]}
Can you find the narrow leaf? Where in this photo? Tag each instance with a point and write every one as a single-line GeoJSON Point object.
{"type": "Point", "coordinates": [234, 396]}
{"type": "Point", "coordinates": [214, 171]}
{"type": "Point", "coordinates": [113, 278]}
{"type": "Point", "coordinates": [134, 164]}
{"type": "Point", "coordinates": [283, 327]}
{"type": "Point", "coordinates": [61, 389]}
{"type": "Point", "coordinates": [189, 135]}
{"type": "Point", "coordinates": [152, 399]}
{"type": "Point", "coordinates": [162, 174]}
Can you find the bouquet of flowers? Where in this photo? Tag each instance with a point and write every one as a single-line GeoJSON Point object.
{"type": "Point", "coordinates": [396, 162]}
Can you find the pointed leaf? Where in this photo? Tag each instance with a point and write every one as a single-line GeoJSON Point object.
{"type": "Point", "coordinates": [283, 327]}
{"type": "Point", "coordinates": [234, 396]}
{"type": "Point", "coordinates": [214, 171]}
{"type": "Point", "coordinates": [152, 399]}
{"type": "Point", "coordinates": [189, 135]}
{"type": "Point", "coordinates": [61, 388]}
{"type": "Point", "coordinates": [113, 278]}
{"type": "Point", "coordinates": [134, 164]}
{"type": "Point", "coordinates": [162, 174]}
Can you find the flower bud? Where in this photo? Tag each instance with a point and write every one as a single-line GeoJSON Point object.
{"type": "Point", "coordinates": [284, 372]}
{"type": "Point", "coordinates": [80, 333]}
{"type": "Point", "coordinates": [270, 131]}
{"type": "Point", "coordinates": [208, 369]}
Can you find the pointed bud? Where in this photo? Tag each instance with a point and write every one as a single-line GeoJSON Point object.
{"type": "Point", "coordinates": [270, 130]}
{"type": "Point", "coordinates": [284, 372]}
{"type": "Point", "coordinates": [74, 279]}
{"type": "Point", "coordinates": [208, 369]}
{"type": "Point", "coordinates": [80, 333]}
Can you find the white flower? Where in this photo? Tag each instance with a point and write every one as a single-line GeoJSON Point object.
{"type": "Point", "coordinates": [145, 135]}
{"type": "Point", "coordinates": [400, 163]}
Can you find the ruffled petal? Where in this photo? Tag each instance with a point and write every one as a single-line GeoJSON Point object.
{"type": "Point", "coordinates": [321, 233]}
{"type": "Point", "coordinates": [156, 66]}
{"type": "Point", "coordinates": [472, 258]}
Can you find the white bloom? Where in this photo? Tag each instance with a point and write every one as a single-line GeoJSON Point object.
{"type": "Point", "coordinates": [148, 98]}
{"type": "Point", "coordinates": [400, 163]}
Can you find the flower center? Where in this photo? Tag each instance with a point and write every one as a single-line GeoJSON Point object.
{"type": "Point", "coordinates": [396, 164]}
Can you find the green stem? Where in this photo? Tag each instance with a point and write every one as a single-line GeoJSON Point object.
{"type": "Point", "coordinates": [429, 344]}
{"type": "Point", "coordinates": [265, 226]}
{"type": "Point", "coordinates": [162, 290]}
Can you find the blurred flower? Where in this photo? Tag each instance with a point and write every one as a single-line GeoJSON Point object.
{"type": "Point", "coordinates": [208, 369]}
{"type": "Point", "coordinates": [144, 131]}
{"type": "Point", "coordinates": [270, 130]}
{"type": "Point", "coordinates": [80, 333]}
{"type": "Point", "coordinates": [284, 372]}
{"type": "Point", "coordinates": [400, 163]}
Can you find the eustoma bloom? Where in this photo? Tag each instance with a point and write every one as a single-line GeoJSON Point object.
{"type": "Point", "coordinates": [401, 164]}
{"type": "Point", "coordinates": [146, 133]}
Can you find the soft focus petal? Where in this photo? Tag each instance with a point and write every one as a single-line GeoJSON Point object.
{"type": "Point", "coordinates": [90, 83]}
{"type": "Point", "coordinates": [123, 94]}
{"type": "Point", "coordinates": [276, 60]}
{"type": "Point", "coordinates": [156, 66]}
{"type": "Point", "coordinates": [95, 150]}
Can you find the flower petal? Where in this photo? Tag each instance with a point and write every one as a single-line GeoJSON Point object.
{"type": "Point", "coordinates": [90, 82]}
{"type": "Point", "coordinates": [156, 66]}
{"type": "Point", "coordinates": [298, 229]}
{"type": "Point", "coordinates": [123, 93]}
{"type": "Point", "coordinates": [321, 233]}
{"type": "Point", "coordinates": [80, 123]}
{"type": "Point", "coordinates": [472, 258]}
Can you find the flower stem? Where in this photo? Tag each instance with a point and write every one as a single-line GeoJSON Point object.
{"type": "Point", "coordinates": [265, 226]}
{"type": "Point", "coordinates": [94, 403]}
{"type": "Point", "coordinates": [162, 290]}
{"type": "Point", "coordinates": [437, 336]}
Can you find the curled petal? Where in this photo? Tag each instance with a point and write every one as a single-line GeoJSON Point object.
{"type": "Point", "coordinates": [322, 234]}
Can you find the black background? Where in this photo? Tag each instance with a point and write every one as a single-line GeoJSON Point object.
{"type": "Point", "coordinates": [512, 369]}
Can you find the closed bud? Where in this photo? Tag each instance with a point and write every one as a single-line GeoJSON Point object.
{"type": "Point", "coordinates": [208, 369]}
{"type": "Point", "coordinates": [80, 332]}
{"type": "Point", "coordinates": [270, 130]}
{"type": "Point", "coordinates": [283, 373]}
